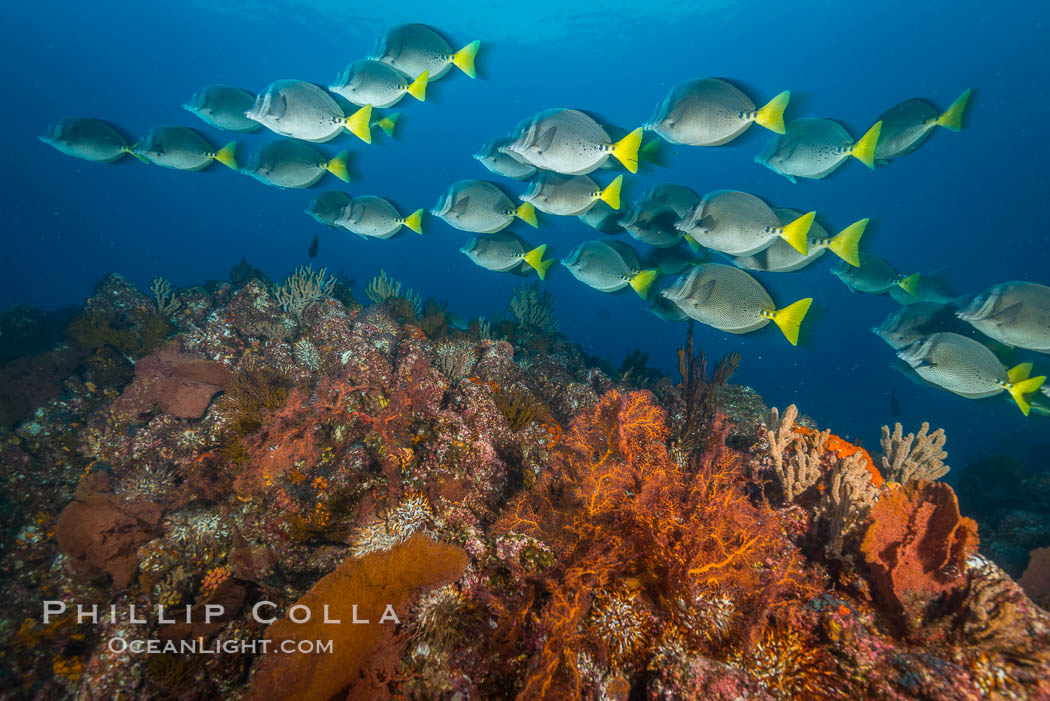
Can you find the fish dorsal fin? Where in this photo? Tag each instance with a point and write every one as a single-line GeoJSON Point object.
{"type": "Point", "coordinates": [546, 139]}
{"type": "Point", "coordinates": [460, 208]}
{"type": "Point", "coordinates": [1007, 315]}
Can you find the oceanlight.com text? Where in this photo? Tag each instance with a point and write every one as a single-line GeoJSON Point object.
{"type": "Point", "coordinates": [135, 646]}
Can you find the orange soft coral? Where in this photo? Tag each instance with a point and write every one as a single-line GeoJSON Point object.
{"type": "Point", "coordinates": [842, 449]}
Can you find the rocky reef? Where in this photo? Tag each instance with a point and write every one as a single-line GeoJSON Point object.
{"type": "Point", "coordinates": [487, 513]}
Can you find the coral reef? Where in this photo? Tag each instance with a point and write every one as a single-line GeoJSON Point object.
{"type": "Point", "coordinates": [540, 524]}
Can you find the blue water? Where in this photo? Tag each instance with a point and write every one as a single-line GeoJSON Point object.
{"type": "Point", "coordinates": [974, 201]}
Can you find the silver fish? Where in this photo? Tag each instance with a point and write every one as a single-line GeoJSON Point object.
{"type": "Point", "coordinates": [327, 207]}
{"type": "Point", "coordinates": [88, 138]}
{"type": "Point", "coordinates": [480, 207]}
{"type": "Point", "coordinates": [815, 147]}
{"type": "Point", "coordinates": [374, 217]}
{"type": "Point", "coordinates": [780, 257]}
{"type": "Point", "coordinates": [712, 112]}
{"type": "Point", "coordinates": [730, 300]}
{"type": "Point", "coordinates": [223, 107]}
{"type": "Point", "coordinates": [570, 195]}
{"type": "Point", "coordinates": [678, 197]}
{"type": "Point", "coordinates": [369, 82]}
{"type": "Point", "coordinates": [907, 125]}
{"type": "Point", "coordinates": [652, 223]}
{"type": "Point", "coordinates": [572, 143]}
{"type": "Point", "coordinates": [304, 111]}
{"type": "Point", "coordinates": [183, 148]}
{"type": "Point", "coordinates": [609, 266]}
{"type": "Point", "coordinates": [966, 367]}
{"type": "Point", "coordinates": [907, 325]}
{"type": "Point", "coordinates": [415, 48]}
{"type": "Point", "coordinates": [874, 276]}
{"type": "Point", "coordinates": [1015, 313]}
{"type": "Point", "coordinates": [740, 224]}
{"type": "Point", "coordinates": [294, 164]}
{"type": "Point", "coordinates": [502, 163]}
{"type": "Point", "coordinates": [505, 252]}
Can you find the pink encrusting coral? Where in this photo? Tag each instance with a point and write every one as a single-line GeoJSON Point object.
{"type": "Point", "coordinates": [541, 526]}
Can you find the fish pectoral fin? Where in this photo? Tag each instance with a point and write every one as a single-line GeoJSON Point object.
{"type": "Point", "coordinates": [460, 208]}
{"type": "Point", "coordinates": [704, 292]}
{"type": "Point", "coordinates": [546, 139]}
{"type": "Point", "coordinates": [1007, 315]}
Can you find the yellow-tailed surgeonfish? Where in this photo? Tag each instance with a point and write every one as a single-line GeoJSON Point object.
{"type": "Point", "coordinates": [908, 324]}
{"type": "Point", "coordinates": [570, 195]}
{"type": "Point", "coordinates": [296, 164]}
{"type": "Point", "coordinates": [874, 276]}
{"type": "Point", "coordinates": [966, 367]}
{"type": "Point", "coordinates": [814, 147]}
{"type": "Point", "coordinates": [740, 224]}
{"type": "Point", "coordinates": [930, 287]}
{"type": "Point", "coordinates": [571, 142]}
{"type": "Point", "coordinates": [678, 197]}
{"type": "Point", "coordinates": [306, 111]}
{"type": "Point", "coordinates": [712, 112]}
{"type": "Point", "coordinates": [609, 266]}
{"type": "Point", "coordinates": [481, 207]}
{"type": "Point", "coordinates": [907, 125]}
{"type": "Point", "coordinates": [731, 300]}
{"type": "Point", "coordinates": [417, 48]}
{"type": "Point", "coordinates": [780, 257]}
{"type": "Point", "coordinates": [505, 252]}
{"type": "Point", "coordinates": [328, 206]}
{"type": "Point", "coordinates": [183, 148]}
{"type": "Point", "coordinates": [88, 138]}
{"type": "Point", "coordinates": [1015, 313]}
{"type": "Point", "coordinates": [368, 82]}
{"type": "Point", "coordinates": [502, 163]}
{"type": "Point", "coordinates": [652, 223]}
{"type": "Point", "coordinates": [223, 107]}
{"type": "Point", "coordinates": [375, 217]}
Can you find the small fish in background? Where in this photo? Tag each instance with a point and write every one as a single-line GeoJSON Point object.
{"type": "Point", "coordinates": [369, 216]}
{"type": "Point", "coordinates": [966, 367]}
{"type": "Point", "coordinates": [182, 148]}
{"type": "Point", "coordinates": [481, 207]}
{"type": "Point", "coordinates": [369, 82]}
{"type": "Point", "coordinates": [908, 324]}
{"type": "Point", "coordinates": [502, 163]}
{"type": "Point", "coordinates": [907, 125]}
{"type": "Point", "coordinates": [571, 142]}
{"type": "Point", "coordinates": [306, 111]}
{"type": "Point", "coordinates": [712, 112]}
{"type": "Point", "coordinates": [874, 276]}
{"type": "Point", "coordinates": [780, 257]}
{"type": "Point", "coordinates": [815, 147]}
{"type": "Point", "coordinates": [741, 224]}
{"type": "Point", "coordinates": [930, 287]}
{"type": "Point", "coordinates": [609, 266]}
{"type": "Point", "coordinates": [666, 309]}
{"type": "Point", "coordinates": [314, 245]}
{"type": "Point", "coordinates": [678, 197]}
{"type": "Point", "coordinates": [731, 300]}
{"type": "Point", "coordinates": [601, 217]}
{"type": "Point", "coordinates": [416, 48]}
{"type": "Point", "coordinates": [570, 195]}
{"type": "Point", "coordinates": [1014, 313]}
{"type": "Point", "coordinates": [505, 252]}
{"type": "Point", "coordinates": [672, 260]}
{"type": "Point", "coordinates": [290, 163]}
{"type": "Point", "coordinates": [327, 207]}
{"type": "Point", "coordinates": [88, 138]}
{"type": "Point", "coordinates": [223, 107]}
{"type": "Point", "coordinates": [387, 123]}
{"type": "Point", "coordinates": [652, 223]}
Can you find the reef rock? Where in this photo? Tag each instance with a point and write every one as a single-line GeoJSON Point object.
{"type": "Point", "coordinates": [181, 384]}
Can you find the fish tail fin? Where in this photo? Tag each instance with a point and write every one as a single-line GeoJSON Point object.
{"type": "Point", "coordinates": [626, 149]}
{"type": "Point", "coordinates": [464, 58]}
{"type": "Point", "coordinates": [611, 194]}
{"type": "Point", "coordinates": [864, 149]}
{"type": "Point", "coordinates": [226, 155]}
{"type": "Point", "coordinates": [527, 213]}
{"type": "Point", "coordinates": [693, 244]}
{"type": "Point", "coordinates": [846, 243]}
{"type": "Point", "coordinates": [771, 115]}
{"type": "Point", "coordinates": [1019, 372]}
{"type": "Point", "coordinates": [131, 150]}
{"type": "Point", "coordinates": [414, 221]}
{"type": "Point", "coordinates": [789, 319]}
{"type": "Point", "coordinates": [359, 124]}
{"type": "Point", "coordinates": [650, 152]}
{"type": "Point", "coordinates": [1019, 391]}
{"type": "Point", "coordinates": [535, 259]}
{"type": "Point", "coordinates": [418, 87]}
{"type": "Point", "coordinates": [337, 166]}
{"type": "Point", "coordinates": [909, 284]}
{"type": "Point", "coordinates": [952, 117]}
{"type": "Point", "coordinates": [388, 123]}
{"type": "Point", "coordinates": [795, 232]}
{"type": "Point", "coordinates": [643, 280]}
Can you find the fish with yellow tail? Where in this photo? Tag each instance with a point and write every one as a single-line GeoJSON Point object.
{"type": "Point", "coordinates": [302, 110]}
{"type": "Point", "coordinates": [781, 257]}
{"type": "Point", "coordinates": [609, 266]}
{"type": "Point", "coordinates": [90, 139]}
{"type": "Point", "coordinates": [741, 224]}
{"type": "Point", "coordinates": [368, 82]}
{"type": "Point", "coordinates": [731, 300]}
{"type": "Point", "coordinates": [183, 148]}
{"type": "Point", "coordinates": [369, 216]}
{"type": "Point", "coordinates": [415, 48]}
{"type": "Point", "coordinates": [1016, 313]}
{"type": "Point", "coordinates": [481, 207]}
{"type": "Point", "coordinates": [505, 252]}
{"type": "Point", "coordinates": [815, 147]}
{"type": "Point", "coordinates": [571, 195]}
{"type": "Point", "coordinates": [291, 163]}
{"type": "Point", "coordinates": [712, 112]}
{"type": "Point", "coordinates": [874, 276]}
{"type": "Point", "coordinates": [906, 126]}
{"type": "Point", "coordinates": [571, 142]}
